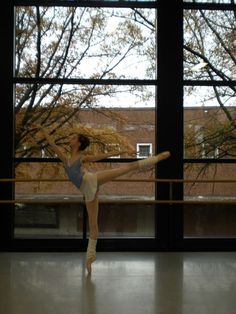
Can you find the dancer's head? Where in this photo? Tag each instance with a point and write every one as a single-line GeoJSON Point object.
{"type": "Point", "coordinates": [84, 141]}
{"type": "Point", "coordinates": [79, 141]}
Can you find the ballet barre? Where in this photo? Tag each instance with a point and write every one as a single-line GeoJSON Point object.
{"type": "Point", "coordinates": [127, 180]}
{"type": "Point", "coordinates": [128, 201]}
{"type": "Point", "coordinates": [134, 202]}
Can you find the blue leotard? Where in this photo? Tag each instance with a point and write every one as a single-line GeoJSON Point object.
{"type": "Point", "coordinates": [75, 173]}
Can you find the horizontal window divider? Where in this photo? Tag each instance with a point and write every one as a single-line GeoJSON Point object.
{"type": "Point", "coordinates": [123, 160]}
{"type": "Point", "coordinates": [209, 161]}
{"type": "Point", "coordinates": [88, 3]}
{"type": "Point", "coordinates": [122, 4]}
{"type": "Point", "coordinates": [24, 80]}
{"type": "Point", "coordinates": [209, 83]}
{"type": "Point", "coordinates": [209, 6]}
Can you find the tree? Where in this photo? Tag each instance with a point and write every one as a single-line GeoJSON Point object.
{"type": "Point", "coordinates": [69, 43]}
{"type": "Point", "coordinates": [209, 39]}
{"type": "Point", "coordinates": [84, 43]}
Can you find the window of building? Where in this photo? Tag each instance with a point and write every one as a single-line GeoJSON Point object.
{"type": "Point", "coordinates": [144, 149]}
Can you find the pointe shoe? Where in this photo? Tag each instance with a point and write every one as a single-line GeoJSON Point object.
{"type": "Point", "coordinates": [151, 161]}
{"type": "Point", "coordinates": [163, 155]}
{"type": "Point", "coordinates": [89, 262]}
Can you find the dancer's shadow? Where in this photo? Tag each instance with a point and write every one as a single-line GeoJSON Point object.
{"type": "Point", "coordinates": [90, 295]}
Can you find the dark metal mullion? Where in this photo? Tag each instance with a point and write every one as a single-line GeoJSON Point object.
{"type": "Point", "coordinates": [118, 82]}
{"type": "Point", "coordinates": [208, 83]}
{"type": "Point", "coordinates": [170, 116]}
{"type": "Point", "coordinates": [125, 160]}
{"type": "Point", "coordinates": [84, 3]}
{"type": "Point", "coordinates": [6, 123]}
{"type": "Point", "coordinates": [84, 81]}
{"type": "Point", "coordinates": [209, 6]}
{"type": "Point", "coordinates": [210, 161]}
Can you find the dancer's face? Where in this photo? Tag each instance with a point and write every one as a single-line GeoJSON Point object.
{"type": "Point", "coordinates": [74, 141]}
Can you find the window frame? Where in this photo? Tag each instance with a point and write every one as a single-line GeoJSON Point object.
{"type": "Point", "coordinates": [144, 144]}
{"type": "Point", "coordinates": [169, 224]}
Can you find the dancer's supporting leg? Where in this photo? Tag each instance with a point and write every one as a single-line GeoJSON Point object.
{"type": "Point", "coordinates": [107, 175]}
{"type": "Point", "coordinates": [92, 209]}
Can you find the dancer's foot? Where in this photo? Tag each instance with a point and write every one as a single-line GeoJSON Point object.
{"type": "Point", "coordinates": [151, 161]}
{"type": "Point", "coordinates": [163, 155]}
{"type": "Point", "coordinates": [91, 254]}
{"type": "Point", "coordinates": [89, 262]}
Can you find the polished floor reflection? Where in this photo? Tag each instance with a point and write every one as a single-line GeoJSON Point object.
{"type": "Point", "coordinates": [129, 283]}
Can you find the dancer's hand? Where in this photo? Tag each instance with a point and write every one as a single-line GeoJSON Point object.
{"type": "Point", "coordinates": [129, 152]}
{"type": "Point", "coordinates": [133, 153]}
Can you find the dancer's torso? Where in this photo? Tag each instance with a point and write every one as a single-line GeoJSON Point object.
{"type": "Point", "coordinates": [75, 172]}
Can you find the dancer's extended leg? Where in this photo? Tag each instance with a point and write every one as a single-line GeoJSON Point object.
{"type": "Point", "coordinates": [92, 209]}
{"type": "Point", "coordinates": [153, 160]}
{"type": "Point", "coordinates": [108, 175]}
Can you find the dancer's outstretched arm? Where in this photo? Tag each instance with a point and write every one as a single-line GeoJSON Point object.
{"type": "Point", "coordinates": [98, 157]}
{"type": "Point", "coordinates": [57, 150]}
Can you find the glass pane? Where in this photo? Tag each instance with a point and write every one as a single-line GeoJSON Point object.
{"type": "Point", "coordinates": [65, 220]}
{"type": "Point", "coordinates": [43, 220]}
{"type": "Point", "coordinates": [68, 108]}
{"type": "Point", "coordinates": [209, 122]}
{"type": "Point", "coordinates": [127, 220]}
{"type": "Point", "coordinates": [96, 43]}
{"type": "Point", "coordinates": [209, 45]}
{"type": "Point", "coordinates": [210, 220]}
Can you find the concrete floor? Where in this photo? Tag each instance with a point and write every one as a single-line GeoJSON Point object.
{"type": "Point", "coordinates": [121, 283]}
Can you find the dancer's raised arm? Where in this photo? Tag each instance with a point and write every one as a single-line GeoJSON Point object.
{"type": "Point", "coordinates": [57, 150]}
{"type": "Point", "coordinates": [98, 157]}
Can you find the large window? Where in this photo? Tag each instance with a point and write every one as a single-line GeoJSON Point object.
{"type": "Point", "coordinates": [89, 70]}
{"type": "Point", "coordinates": [209, 122]}
{"type": "Point", "coordinates": [131, 75]}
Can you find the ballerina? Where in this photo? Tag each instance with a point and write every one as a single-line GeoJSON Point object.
{"type": "Point", "coordinates": [88, 183]}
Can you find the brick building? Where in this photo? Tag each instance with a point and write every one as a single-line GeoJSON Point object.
{"type": "Point", "coordinates": [126, 220]}
{"type": "Point", "coordinates": [138, 126]}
